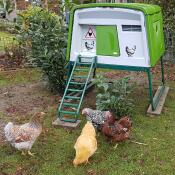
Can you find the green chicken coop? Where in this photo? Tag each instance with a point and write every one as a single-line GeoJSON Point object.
{"type": "Point", "coordinates": [123, 36]}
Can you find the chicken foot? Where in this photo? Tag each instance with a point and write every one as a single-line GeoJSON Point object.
{"type": "Point", "coordinates": [31, 154]}
{"type": "Point", "coordinates": [28, 152]}
{"type": "Point", "coordinates": [116, 146]}
{"type": "Point", "coordinates": [87, 162]}
{"type": "Point", "coordinates": [23, 153]}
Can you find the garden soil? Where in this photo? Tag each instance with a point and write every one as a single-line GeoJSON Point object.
{"type": "Point", "coordinates": [19, 102]}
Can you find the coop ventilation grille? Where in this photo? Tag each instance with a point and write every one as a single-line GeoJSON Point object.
{"type": "Point", "coordinates": [132, 28]}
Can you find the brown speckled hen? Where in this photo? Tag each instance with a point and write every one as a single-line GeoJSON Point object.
{"type": "Point", "coordinates": [118, 131]}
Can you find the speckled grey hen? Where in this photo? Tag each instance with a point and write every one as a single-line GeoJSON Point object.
{"type": "Point", "coordinates": [97, 117]}
{"type": "Point", "coordinates": [22, 137]}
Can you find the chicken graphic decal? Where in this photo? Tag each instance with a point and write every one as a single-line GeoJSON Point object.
{"type": "Point", "coordinates": [130, 51]}
{"type": "Point", "coordinates": [89, 45]}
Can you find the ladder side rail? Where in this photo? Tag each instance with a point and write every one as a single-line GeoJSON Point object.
{"type": "Point", "coordinates": [62, 100]}
{"type": "Point", "coordinates": [81, 99]}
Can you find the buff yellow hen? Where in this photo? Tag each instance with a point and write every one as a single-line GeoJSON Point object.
{"type": "Point", "coordinates": [86, 144]}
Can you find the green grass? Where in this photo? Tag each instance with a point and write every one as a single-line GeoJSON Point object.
{"type": "Point", "coordinates": [6, 39]}
{"type": "Point", "coordinates": [55, 151]}
{"type": "Point", "coordinates": [19, 76]}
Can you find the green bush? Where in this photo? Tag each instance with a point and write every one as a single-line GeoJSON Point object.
{"type": "Point", "coordinates": [114, 96]}
{"type": "Point", "coordinates": [42, 33]}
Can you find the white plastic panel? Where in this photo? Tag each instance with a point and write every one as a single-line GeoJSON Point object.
{"type": "Point", "coordinates": [133, 44]}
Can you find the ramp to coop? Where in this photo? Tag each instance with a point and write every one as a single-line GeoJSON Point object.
{"type": "Point", "coordinates": [78, 83]}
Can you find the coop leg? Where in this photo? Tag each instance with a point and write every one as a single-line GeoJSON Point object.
{"type": "Point", "coordinates": [150, 88]}
{"type": "Point", "coordinates": [94, 73]}
{"type": "Point", "coordinates": [95, 67]}
{"type": "Point", "coordinates": [162, 71]}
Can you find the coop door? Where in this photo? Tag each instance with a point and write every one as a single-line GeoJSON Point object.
{"type": "Point", "coordinates": [107, 41]}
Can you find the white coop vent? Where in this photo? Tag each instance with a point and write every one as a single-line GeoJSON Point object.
{"type": "Point", "coordinates": [131, 28]}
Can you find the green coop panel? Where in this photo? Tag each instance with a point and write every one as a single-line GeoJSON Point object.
{"type": "Point", "coordinates": [107, 41]}
{"type": "Point", "coordinates": [155, 37]}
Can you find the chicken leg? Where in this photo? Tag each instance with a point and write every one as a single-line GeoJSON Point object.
{"type": "Point", "coordinates": [31, 154]}
{"type": "Point", "coordinates": [23, 153]}
{"type": "Point", "coordinates": [116, 146]}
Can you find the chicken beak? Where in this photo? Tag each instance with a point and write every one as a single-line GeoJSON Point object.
{"type": "Point", "coordinates": [83, 112]}
{"type": "Point", "coordinates": [43, 113]}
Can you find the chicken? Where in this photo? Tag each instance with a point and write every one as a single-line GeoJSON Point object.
{"type": "Point", "coordinates": [89, 46]}
{"type": "Point", "coordinates": [125, 122]}
{"type": "Point", "coordinates": [86, 144]}
{"type": "Point", "coordinates": [22, 137]}
{"type": "Point", "coordinates": [131, 51]}
{"type": "Point", "coordinates": [117, 131]}
{"type": "Point", "coordinates": [97, 117]}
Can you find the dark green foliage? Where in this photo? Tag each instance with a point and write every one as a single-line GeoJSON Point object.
{"type": "Point", "coordinates": [42, 33]}
{"type": "Point", "coordinates": [168, 7]}
{"type": "Point", "coordinates": [114, 96]}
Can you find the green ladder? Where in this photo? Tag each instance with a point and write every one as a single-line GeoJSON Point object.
{"type": "Point", "coordinates": [76, 84]}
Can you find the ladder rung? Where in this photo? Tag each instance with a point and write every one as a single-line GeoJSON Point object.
{"type": "Point", "coordinates": [76, 83]}
{"type": "Point", "coordinates": [75, 90]}
{"type": "Point", "coordinates": [70, 104]}
{"type": "Point", "coordinates": [80, 76]}
{"type": "Point", "coordinates": [81, 56]}
{"type": "Point", "coordinates": [68, 112]}
{"type": "Point", "coordinates": [82, 70]}
{"type": "Point", "coordinates": [84, 63]}
{"type": "Point", "coordinates": [72, 97]}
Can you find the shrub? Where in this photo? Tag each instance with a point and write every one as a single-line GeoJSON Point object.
{"type": "Point", "coordinates": [114, 97]}
{"type": "Point", "coordinates": [43, 32]}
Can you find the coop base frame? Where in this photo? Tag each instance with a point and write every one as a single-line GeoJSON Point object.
{"type": "Point", "coordinates": [154, 100]}
{"type": "Point", "coordinates": [65, 124]}
{"type": "Point", "coordinates": [161, 102]}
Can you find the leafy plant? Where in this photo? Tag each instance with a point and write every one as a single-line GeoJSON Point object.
{"type": "Point", "coordinates": [42, 33]}
{"type": "Point", "coordinates": [114, 97]}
